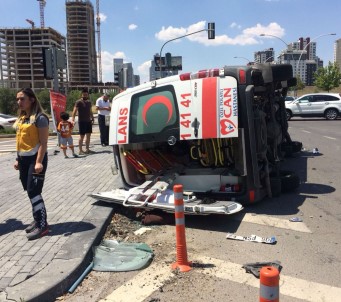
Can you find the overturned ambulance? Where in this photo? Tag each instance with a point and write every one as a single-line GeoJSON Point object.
{"type": "Point", "coordinates": [221, 133]}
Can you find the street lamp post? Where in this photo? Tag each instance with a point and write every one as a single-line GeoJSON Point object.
{"type": "Point", "coordinates": [211, 35]}
{"type": "Point", "coordinates": [289, 46]}
{"type": "Point", "coordinates": [312, 40]}
{"type": "Point", "coordinates": [243, 58]}
{"type": "Point", "coordinates": [268, 59]}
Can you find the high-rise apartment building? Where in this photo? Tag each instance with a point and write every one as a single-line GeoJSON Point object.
{"type": "Point", "coordinates": [126, 76]}
{"type": "Point", "coordinates": [267, 55]}
{"type": "Point", "coordinates": [337, 53]}
{"type": "Point", "coordinates": [21, 57]}
{"type": "Point", "coordinates": [118, 64]}
{"type": "Point", "coordinates": [81, 43]}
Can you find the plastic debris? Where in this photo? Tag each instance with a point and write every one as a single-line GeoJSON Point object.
{"type": "Point", "coordinates": [253, 238]}
{"type": "Point", "coordinates": [142, 230]}
{"type": "Point", "coordinates": [316, 151]}
{"type": "Point", "coordinates": [296, 219]}
{"type": "Point", "coordinates": [254, 268]}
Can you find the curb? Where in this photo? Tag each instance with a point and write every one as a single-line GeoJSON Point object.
{"type": "Point", "coordinates": [70, 265]}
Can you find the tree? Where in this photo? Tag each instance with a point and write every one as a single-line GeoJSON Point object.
{"type": "Point", "coordinates": [44, 98]}
{"type": "Point", "coordinates": [8, 103]}
{"type": "Point", "coordinates": [72, 97]}
{"type": "Point", "coordinates": [328, 77]}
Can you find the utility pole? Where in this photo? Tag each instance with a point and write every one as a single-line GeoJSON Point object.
{"type": "Point", "coordinates": [99, 55]}
{"type": "Point", "coordinates": [210, 34]}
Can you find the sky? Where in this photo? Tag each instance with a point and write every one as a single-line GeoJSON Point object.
{"type": "Point", "coordinates": [135, 30]}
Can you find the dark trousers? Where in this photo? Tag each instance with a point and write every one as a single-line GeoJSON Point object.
{"type": "Point", "coordinates": [33, 183]}
{"type": "Point", "coordinates": [103, 129]}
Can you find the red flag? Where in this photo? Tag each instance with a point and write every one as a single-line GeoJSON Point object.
{"type": "Point", "coordinates": [58, 105]}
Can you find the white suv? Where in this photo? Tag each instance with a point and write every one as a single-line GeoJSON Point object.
{"type": "Point", "coordinates": [315, 104]}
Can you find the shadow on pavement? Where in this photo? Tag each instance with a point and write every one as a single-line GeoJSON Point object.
{"type": "Point", "coordinates": [11, 225]}
{"type": "Point", "coordinates": [68, 228]}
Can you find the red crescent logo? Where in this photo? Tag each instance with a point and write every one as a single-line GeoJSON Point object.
{"type": "Point", "coordinates": [159, 99]}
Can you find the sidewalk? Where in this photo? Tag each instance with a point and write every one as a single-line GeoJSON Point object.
{"type": "Point", "coordinates": [44, 269]}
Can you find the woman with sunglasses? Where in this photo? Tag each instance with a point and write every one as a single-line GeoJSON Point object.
{"type": "Point", "coordinates": [32, 127]}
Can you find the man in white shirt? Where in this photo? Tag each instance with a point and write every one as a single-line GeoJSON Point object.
{"type": "Point", "coordinates": [103, 109]}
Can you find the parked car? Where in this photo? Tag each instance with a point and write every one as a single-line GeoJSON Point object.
{"type": "Point", "coordinates": [326, 105]}
{"type": "Point", "coordinates": [220, 133]}
{"type": "Point", "coordinates": [289, 98]}
{"type": "Point", "coordinates": [6, 121]}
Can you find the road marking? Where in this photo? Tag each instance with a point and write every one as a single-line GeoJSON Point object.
{"type": "Point", "coordinates": [272, 221]}
{"type": "Point", "coordinates": [142, 285]}
{"type": "Point", "coordinates": [305, 131]}
{"type": "Point", "coordinates": [329, 137]}
{"type": "Point", "coordinates": [289, 286]}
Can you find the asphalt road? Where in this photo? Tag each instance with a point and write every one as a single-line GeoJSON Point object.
{"type": "Point", "coordinates": [309, 251]}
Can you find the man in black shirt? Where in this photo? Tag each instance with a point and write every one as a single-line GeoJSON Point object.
{"type": "Point", "coordinates": [85, 120]}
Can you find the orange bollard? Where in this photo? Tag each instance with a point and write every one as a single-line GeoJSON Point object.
{"type": "Point", "coordinates": [181, 250]}
{"type": "Point", "coordinates": [269, 284]}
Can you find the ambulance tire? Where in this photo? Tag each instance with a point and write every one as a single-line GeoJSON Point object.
{"type": "Point", "coordinates": [291, 148]}
{"type": "Point", "coordinates": [290, 181]}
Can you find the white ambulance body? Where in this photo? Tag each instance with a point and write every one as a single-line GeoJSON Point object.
{"type": "Point", "coordinates": [189, 129]}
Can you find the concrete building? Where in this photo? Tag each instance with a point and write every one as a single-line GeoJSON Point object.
{"type": "Point", "coordinates": [81, 43]}
{"type": "Point", "coordinates": [267, 55]}
{"type": "Point", "coordinates": [126, 76]}
{"type": "Point", "coordinates": [21, 57]}
{"type": "Point", "coordinates": [302, 56]}
{"type": "Point", "coordinates": [337, 53]}
{"type": "Point", "coordinates": [118, 64]}
{"type": "Point", "coordinates": [302, 43]}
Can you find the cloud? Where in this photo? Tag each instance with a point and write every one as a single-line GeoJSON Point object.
{"type": "Point", "coordinates": [103, 17]}
{"type": "Point", "coordinates": [107, 59]}
{"type": "Point", "coordinates": [132, 26]}
{"type": "Point", "coordinates": [143, 70]}
{"type": "Point", "coordinates": [235, 25]}
{"type": "Point", "coordinates": [170, 33]}
{"type": "Point", "coordinates": [248, 36]}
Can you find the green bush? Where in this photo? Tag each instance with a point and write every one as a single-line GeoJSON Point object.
{"type": "Point", "coordinates": [8, 103]}
{"type": "Point", "coordinates": [7, 131]}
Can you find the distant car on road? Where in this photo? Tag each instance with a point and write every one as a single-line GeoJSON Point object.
{"type": "Point", "coordinates": [6, 121]}
{"type": "Point", "coordinates": [326, 105]}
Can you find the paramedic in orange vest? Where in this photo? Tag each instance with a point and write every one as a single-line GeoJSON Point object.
{"type": "Point", "coordinates": [32, 127]}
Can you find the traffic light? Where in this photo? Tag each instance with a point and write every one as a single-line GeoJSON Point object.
{"type": "Point", "coordinates": [211, 30]}
{"type": "Point", "coordinates": [168, 59]}
{"type": "Point", "coordinates": [47, 63]}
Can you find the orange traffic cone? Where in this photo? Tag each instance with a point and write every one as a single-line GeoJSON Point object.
{"type": "Point", "coordinates": [269, 284]}
{"type": "Point", "coordinates": [181, 250]}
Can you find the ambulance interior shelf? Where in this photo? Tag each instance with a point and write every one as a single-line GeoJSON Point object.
{"type": "Point", "coordinates": [212, 161]}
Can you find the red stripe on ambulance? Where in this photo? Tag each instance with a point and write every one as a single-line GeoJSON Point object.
{"type": "Point", "coordinates": [209, 108]}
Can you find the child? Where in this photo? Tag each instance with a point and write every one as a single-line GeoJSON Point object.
{"type": "Point", "coordinates": [65, 129]}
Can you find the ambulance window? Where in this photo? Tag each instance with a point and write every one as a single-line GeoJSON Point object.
{"type": "Point", "coordinates": [153, 114]}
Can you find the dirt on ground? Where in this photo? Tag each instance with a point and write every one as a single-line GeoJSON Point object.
{"type": "Point", "coordinates": [124, 223]}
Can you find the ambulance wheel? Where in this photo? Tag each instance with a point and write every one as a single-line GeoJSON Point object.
{"type": "Point", "coordinates": [289, 181]}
